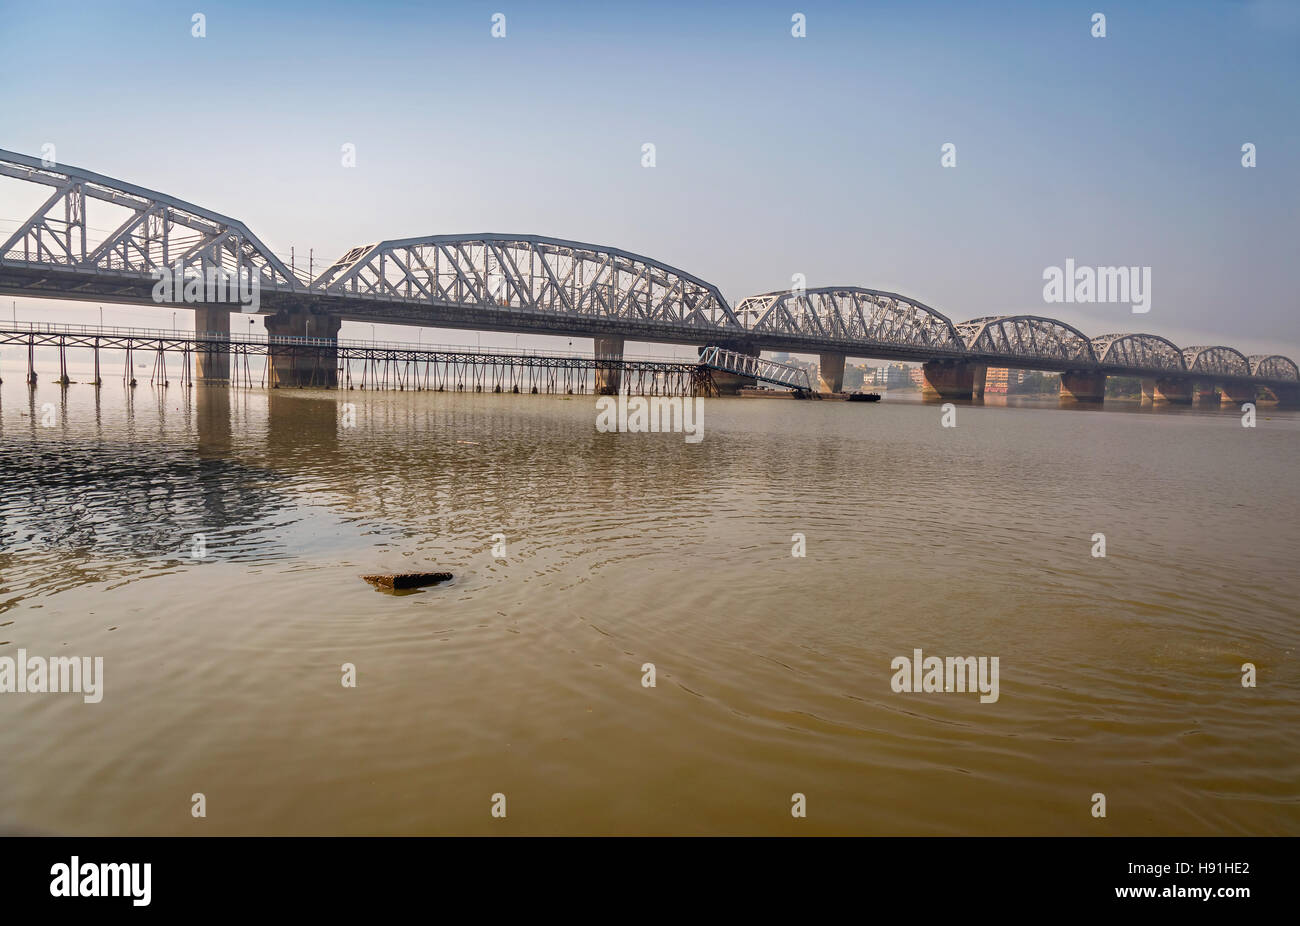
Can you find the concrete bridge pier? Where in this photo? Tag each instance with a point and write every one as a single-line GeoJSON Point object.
{"type": "Point", "coordinates": [1171, 391]}
{"type": "Point", "coordinates": [830, 372]}
{"type": "Point", "coordinates": [609, 377]}
{"type": "Point", "coordinates": [211, 367]}
{"type": "Point", "coordinates": [1238, 394]}
{"type": "Point", "coordinates": [1083, 386]}
{"type": "Point", "coordinates": [952, 379]}
{"type": "Point", "coordinates": [1287, 396]}
{"type": "Point", "coordinates": [1205, 394]}
{"type": "Point", "coordinates": [318, 366]}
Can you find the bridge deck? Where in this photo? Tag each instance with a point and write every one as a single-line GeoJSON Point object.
{"type": "Point", "coordinates": [371, 364]}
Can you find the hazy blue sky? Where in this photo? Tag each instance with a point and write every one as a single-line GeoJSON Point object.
{"type": "Point", "coordinates": [775, 155]}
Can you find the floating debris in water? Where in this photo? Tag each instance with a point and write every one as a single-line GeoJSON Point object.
{"type": "Point", "coordinates": [408, 579]}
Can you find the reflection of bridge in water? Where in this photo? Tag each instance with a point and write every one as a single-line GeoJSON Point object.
{"type": "Point", "coordinates": [540, 285]}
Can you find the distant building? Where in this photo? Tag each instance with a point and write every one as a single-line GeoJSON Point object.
{"type": "Point", "coordinates": [1001, 381]}
{"type": "Point", "coordinates": [856, 376]}
{"type": "Point", "coordinates": [894, 376]}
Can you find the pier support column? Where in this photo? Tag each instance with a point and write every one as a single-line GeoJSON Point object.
{"type": "Point", "coordinates": [1287, 396]}
{"type": "Point", "coordinates": [307, 363]}
{"type": "Point", "coordinates": [1238, 394]}
{"type": "Point", "coordinates": [211, 367]}
{"type": "Point", "coordinates": [1172, 391]}
{"type": "Point", "coordinates": [830, 372]}
{"type": "Point", "coordinates": [609, 377]}
{"type": "Point", "coordinates": [951, 379]}
{"type": "Point", "coordinates": [1083, 386]}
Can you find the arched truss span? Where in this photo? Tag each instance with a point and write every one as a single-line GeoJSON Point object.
{"type": "Point", "coordinates": [528, 273]}
{"type": "Point", "coordinates": [1274, 366]}
{"type": "Point", "coordinates": [91, 234]}
{"type": "Point", "coordinates": [1138, 352]}
{"type": "Point", "coordinates": [1027, 337]}
{"type": "Point", "coordinates": [1224, 361]}
{"type": "Point", "coordinates": [150, 231]}
{"type": "Point", "coordinates": [849, 313]}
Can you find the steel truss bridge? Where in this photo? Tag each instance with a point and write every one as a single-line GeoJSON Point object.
{"type": "Point", "coordinates": [97, 238]}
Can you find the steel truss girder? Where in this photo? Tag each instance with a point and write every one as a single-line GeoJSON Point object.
{"type": "Point", "coordinates": [769, 371]}
{"type": "Point", "coordinates": [1274, 366]}
{"type": "Point", "coordinates": [1027, 337]}
{"type": "Point", "coordinates": [528, 273]}
{"type": "Point", "coordinates": [158, 232]}
{"type": "Point", "coordinates": [849, 313]}
{"type": "Point", "coordinates": [534, 283]}
{"type": "Point", "coordinates": [1217, 360]}
{"type": "Point", "coordinates": [1139, 352]}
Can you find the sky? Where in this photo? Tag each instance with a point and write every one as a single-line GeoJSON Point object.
{"type": "Point", "coordinates": [775, 155]}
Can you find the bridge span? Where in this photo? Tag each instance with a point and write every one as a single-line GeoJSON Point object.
{"type": "Point", "coordinates": [94, 238]}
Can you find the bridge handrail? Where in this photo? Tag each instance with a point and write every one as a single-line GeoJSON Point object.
{"type": "Point", "coordinates": [149, 334]}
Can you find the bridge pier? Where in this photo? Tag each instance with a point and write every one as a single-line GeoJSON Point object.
{"type": "Point", "coordinates": [609, 377]}
{"type": "Point", "coordinates": [211, 367]}
{"type": "Point", "coordinates": [1082, 386]}
{"type": "Point", "coordinates": [830, 372]}
{"type": "Point", "coordinates": [1205, 394]}
{"type": "Point", "coordinates": [1287, 396]}
{"type": "Point", "coordinates": [316, 365]}
{"type": "Point", "coordinates": [1238, 394]}
{"type": "Point", "coordinates": [1172, 391]}
{"type": "Point", "coordinates": [952, 379]}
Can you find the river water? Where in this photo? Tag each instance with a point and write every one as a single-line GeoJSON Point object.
{"type": "Point", "coordinates": [525, 676]}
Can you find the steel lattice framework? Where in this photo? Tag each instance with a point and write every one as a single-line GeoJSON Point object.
{"type": "Point", "coordinates": [769, 371]}
{"type": "Point", "coordinates": [1222, 361]}
{"type": "Point", "coordinates": [529, 283]}
{"type": "Point", "coordinates": [1027, 337]}
{"type": "Point", "coordinates": [1138, 352]}
{"type": "Point", "coordinates": [531, 274]}
{"type": "Point", "coordinates": [850, 313]}
{"type": "Point", "coordinates": [158, 232]}
{"type": "Point", "coordinates": [1274, 366]}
